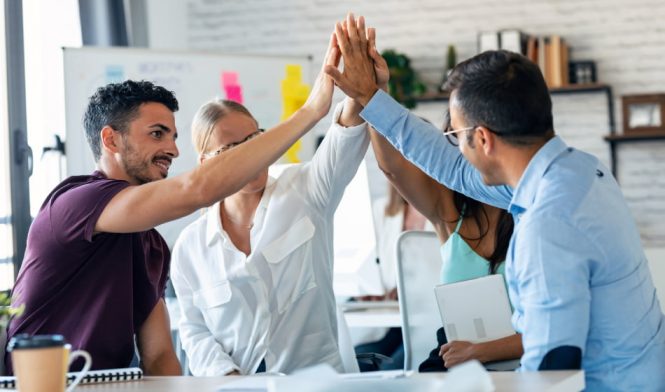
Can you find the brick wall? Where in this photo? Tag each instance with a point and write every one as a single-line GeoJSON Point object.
{"type": "Point", "coordinates": [625, 38]}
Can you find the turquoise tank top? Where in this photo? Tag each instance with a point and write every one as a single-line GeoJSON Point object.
{"type": "Point", "coordinates": [460, 261]}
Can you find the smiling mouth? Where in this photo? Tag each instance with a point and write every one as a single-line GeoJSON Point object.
{"type": "Point", "coordinates": [163, 164]}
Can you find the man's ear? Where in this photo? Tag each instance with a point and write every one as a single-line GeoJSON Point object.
{"type": "Point", "coordinates": [485, 140]}
{"type": "Point", "coordinates": [109, 139]}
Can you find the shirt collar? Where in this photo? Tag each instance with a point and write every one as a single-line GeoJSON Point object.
{"type": "Point", "coordinates": [214, 228]}
{"type": "Point", "coordinates": [525, 192]}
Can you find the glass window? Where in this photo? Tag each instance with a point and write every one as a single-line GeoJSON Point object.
{"type": "Point", "coordinates": [6, 241]}
{"type": "Point", "coordinates": [48, 26]}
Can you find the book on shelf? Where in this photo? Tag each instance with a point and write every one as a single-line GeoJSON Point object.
{"type": "Point", "coordinates": [92, 377]}
{"type": "Point", "coordinates": [550, 52]}
{"type": "Point", "coordinates": [488, 41]}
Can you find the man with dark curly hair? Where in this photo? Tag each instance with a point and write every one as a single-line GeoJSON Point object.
{"type": "Point", "coordinates": [95, 269]}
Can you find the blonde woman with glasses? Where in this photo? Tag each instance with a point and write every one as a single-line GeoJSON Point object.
{"type": "Point", "coordinates": [253, 275]}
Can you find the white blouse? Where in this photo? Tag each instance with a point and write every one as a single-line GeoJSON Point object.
{"type": "Point", "coordinates": [277, 304]}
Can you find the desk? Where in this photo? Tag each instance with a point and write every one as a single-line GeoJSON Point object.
{"type": "Point", "coordinates": [382, 317]}
{"type": "Point", "coordinates": [503, 381]}
{"type": "Point", "coordinates": [372, 314]}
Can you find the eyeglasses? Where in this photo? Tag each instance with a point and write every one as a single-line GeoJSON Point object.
{"type": "Point", "coordinates": [226, 147]}
{"type": "Point", "coordinates": [453, 139]}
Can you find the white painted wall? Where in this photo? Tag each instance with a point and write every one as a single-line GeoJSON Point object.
{"type": "Point", "coordinates": [625, 38]}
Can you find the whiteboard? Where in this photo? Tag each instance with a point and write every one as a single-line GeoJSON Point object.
{"type": "Point", "coordinates": [195, 77]}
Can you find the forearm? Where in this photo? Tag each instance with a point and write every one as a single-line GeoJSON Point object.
{"type": "Point", "coordinates": [154, 344]}
{"type": "Point", "coordinates": [509, 347]}
{"type": "Point", "coordinates": [166, 364]}
{"type": "Point", "coordinates": [424, 146]}
{"type": "Point", "coordinates": [133, 209]}
{"type": "Point", "coordinates": [390, 161]}
{"type": "Point", "coordinates": [227, 173]}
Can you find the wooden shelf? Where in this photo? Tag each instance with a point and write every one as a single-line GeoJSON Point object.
{"type": "Point", "coordinates": [572, 88]}
{"type": "Point", "coordinates": [635, 137]}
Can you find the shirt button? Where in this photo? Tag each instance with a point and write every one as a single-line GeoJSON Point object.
{"type": "Point", "coordinates": [599, 173]}
{"type": "Point", "coordinates": [570, 149]}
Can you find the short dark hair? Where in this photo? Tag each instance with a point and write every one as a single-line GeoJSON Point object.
{"type": "Point", "coordinates": [117, 104]}
{"type": "Point", "coordinates": [506, 93]}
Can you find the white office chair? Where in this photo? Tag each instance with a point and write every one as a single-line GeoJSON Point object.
{"type": "Point", "coordinates": [418, 270]}
{"type": "Point", "coordinates": [346, 350]}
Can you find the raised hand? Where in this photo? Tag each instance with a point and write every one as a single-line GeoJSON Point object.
{"type": "Point", "coordinates": [320, 98]}
{"type": "Point", "coordinates": [380, 66]}
{"type": "Point", "coordinates": [358, 80]}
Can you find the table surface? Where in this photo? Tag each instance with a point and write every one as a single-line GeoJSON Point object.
{"type": "Point", "coordinates": [504, 381]}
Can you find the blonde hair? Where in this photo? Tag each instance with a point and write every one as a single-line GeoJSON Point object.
{"type": "Point", "coordinates": [207, 116]}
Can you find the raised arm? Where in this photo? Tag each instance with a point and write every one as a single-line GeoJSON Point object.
{"type": "Point", "coordinates": [421, 191]}
{"type": "Point", "coordinates": [338, 157]}
{"type": "Point", "coordinates": [142, 207]}
{"type": "Point", "coordinates": [420, 142]}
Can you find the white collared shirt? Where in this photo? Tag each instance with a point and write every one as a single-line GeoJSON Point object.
{"type": "Point", "coordinates": [277, 304]}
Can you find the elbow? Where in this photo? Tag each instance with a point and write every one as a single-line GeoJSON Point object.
{"type": "Point", "coordinates": [389, 171]}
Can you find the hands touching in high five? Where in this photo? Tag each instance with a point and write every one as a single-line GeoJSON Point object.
{"type": "Point", "coordinates": [365, 71]}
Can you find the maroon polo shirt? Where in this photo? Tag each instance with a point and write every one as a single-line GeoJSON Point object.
{"type": "Point", "coordinates": [96, 290]}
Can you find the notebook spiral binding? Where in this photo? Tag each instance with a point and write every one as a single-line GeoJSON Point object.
{"type": "Point", "coordinates": [92, 377]}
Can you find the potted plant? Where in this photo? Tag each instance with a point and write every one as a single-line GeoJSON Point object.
{"type": "Point", "coordinates": [404, 86]}
{"type": "Point", "coordinates": [7, 312]}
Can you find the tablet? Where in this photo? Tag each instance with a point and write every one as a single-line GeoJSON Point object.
{"type": "Point", "coordinates": [476, 310]}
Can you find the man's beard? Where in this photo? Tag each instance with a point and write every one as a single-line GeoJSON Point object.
{"type": "Point", "coordinates": [136, 168]}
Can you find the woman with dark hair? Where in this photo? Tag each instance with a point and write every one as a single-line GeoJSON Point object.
{"type": "Point", "coordinates": [474, 238]}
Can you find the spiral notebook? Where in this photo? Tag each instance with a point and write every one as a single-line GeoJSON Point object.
{"type": "Point", "coordinates": [92, 377]}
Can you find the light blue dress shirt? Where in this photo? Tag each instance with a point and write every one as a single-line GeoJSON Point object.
{"type": "Point", "coordinates": [575, 268]}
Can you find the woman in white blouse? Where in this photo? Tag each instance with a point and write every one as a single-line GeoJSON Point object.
{"type": "Point", "coordinates": [253, 275]}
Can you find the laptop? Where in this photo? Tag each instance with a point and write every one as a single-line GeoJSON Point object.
{"type": "Point", "coordinates": [476, 310]}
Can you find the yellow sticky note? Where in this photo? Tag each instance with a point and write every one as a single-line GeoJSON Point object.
{"type": "Point", "coordinates": [294, 96]}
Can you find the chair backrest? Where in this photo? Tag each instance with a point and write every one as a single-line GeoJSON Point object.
{"type": "Point", "coordinates": [346, 350]}
{"type": "Point", "coordinates": [418, 270]}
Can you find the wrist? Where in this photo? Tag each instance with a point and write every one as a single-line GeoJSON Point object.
{"type": "Point", "coordinates": [307, 114]}
{"type": "Point", "coordinates": [365, 97]}
{"type": "Point", "coordinates": [478, 352]}
{"type": "Point", "coordinates": [349, 115]}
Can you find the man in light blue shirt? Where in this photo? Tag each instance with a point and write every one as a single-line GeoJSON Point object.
{"type": "Point", "coordinates": [576, 271]}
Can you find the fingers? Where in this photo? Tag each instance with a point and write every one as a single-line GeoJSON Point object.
{"type": "Point", "coordinates": [362, 34]}
{"type": "Point", "coordinates": [336, 53]}
{"type": "Point", "coordinates": [376, 56]}
{"type": "Point", "coordinates": [342, 39]}
{"type": "Point", "coordinates": [371, 38]}
{"type": "Point", "coordinates": [352, 30]}
{"type": "Point", "coordinates": [334, 73]}
{"type": "Point", "coordinates": [332, 56]}
{"type": "Point", "coordinates": [332, 46]}
{"type": "Point", "coordinates": [443, 349]}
